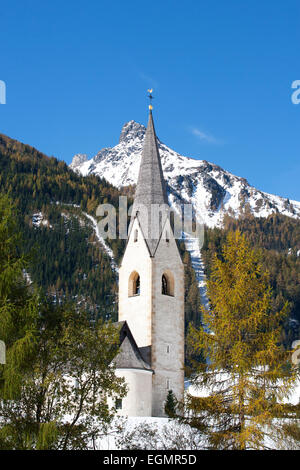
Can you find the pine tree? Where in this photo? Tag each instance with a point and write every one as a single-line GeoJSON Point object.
{"type": "Point", "coordinates": [248, 373]}
{"type": "Point", "coordinates": [170, 405]}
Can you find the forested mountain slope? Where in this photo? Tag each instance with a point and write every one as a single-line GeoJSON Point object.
{"type": "Point", "coordinates": [53, 204]}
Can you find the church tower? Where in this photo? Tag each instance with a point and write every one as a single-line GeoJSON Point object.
{"type": "Point", "coordinates": [151, 286]}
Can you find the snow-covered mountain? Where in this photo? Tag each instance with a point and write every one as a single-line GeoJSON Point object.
{"type": "Point", "coordinates": [212, 190]}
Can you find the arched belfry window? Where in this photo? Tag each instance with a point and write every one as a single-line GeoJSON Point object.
{"type": "Point", "coordinates": [134, 285]}
{"type": "Point", "coordinates": [167, 283]}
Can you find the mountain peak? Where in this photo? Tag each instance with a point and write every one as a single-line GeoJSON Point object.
{"type": "Point", "coordinates": [78, 160]}
{"type": "Point", "coordinates": [132, 130]}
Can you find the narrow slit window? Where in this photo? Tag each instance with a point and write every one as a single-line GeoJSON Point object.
{"type": "Point", "coordinates": [164, 285]}
{"type": "Point", "coordinates": [136, 235]}
{"type": "Point", "coordinates": [118, 404]}
{"type": "Point", "coordinates": [137, 286]}
{"type": "Point", "coordinates": [160, 222]}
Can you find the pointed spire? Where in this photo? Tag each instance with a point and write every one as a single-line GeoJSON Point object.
{"type": "Point", "coordinates": [150, 189]}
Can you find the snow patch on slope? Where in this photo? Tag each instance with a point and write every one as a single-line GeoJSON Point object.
{"type": "Point", "coordinates": [39, 219]}
{"type": "Point", "coordinates": [107, 249]}
{"type": "Point", "coordinates": [193, 247]}
{"type": "Point", "coordinates": [94, 224]}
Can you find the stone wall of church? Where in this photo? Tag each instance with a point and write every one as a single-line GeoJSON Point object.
{"type": "Point", "coordinates": [167, 326]}
{"type": "Point", "coordinates": [136, 310]}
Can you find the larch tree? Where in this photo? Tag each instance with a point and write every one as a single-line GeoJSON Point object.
{"type": "Point", "coordinates": [248, 374]}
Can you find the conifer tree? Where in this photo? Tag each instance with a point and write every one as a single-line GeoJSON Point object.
{"type": "Point", "coordinates": [170, 405]}
{"type": "Point", "coordinates": [18, 303]}
{"type": "Point", "coordinates": [248, 373]}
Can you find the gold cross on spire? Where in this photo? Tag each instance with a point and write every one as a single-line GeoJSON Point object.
{"type": "Point", "coordinates": [150, 98]}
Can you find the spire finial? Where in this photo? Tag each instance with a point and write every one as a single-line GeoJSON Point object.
{"type": "Point", "coordinates": [150, 98]}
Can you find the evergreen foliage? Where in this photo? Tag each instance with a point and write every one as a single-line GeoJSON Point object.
{"type": "Point", "coordinates": [170, 405]}
{"type": "Point", "coordinates": [18, 304]}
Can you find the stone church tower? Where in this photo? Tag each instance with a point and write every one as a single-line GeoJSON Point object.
{"type": "Point", "coordinates": [151, 295]}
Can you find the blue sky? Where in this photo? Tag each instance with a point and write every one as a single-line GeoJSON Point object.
{"type": "Point", "coordinates": [222, 72]}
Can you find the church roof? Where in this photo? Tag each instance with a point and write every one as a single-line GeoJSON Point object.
{"type": "Point", "coordinates": [150, 190]}
{"type": "Point", "coordinates": [129, 355]}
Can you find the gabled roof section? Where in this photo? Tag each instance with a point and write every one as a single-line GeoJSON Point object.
{"type": "Point", "coordinates": [129, 356]}
{"type": "Point", "coordinates": [150, 190]}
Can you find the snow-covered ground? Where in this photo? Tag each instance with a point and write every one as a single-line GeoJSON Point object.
{"type": "Point", "coordinates": [167, 434]}
{"type": "Point", "coordinates": [39, 219]}
{"type": "Point", "coordinates": [108, 442]}
{"type": "Point", "coordinates": [27, 277]}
